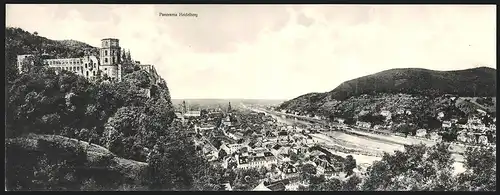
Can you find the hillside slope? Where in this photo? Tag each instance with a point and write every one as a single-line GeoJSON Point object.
{"type": "Point", "coordinates": [47, 113]}
{"type": "Point", "coordinates": [408, 89]}
{"type": "Point", "coordinates": [19, 42]}
{"type": "Point", "coordinates": [475, 82]}
{"type": "Point", "coordinates": [100, 163]}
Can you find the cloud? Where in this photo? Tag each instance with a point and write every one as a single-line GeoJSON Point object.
{"type": "Point", "coordinates": [275, 51]}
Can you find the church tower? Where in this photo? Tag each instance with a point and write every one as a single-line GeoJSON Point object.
{"type": "Point", "coordinates": [110, 52]}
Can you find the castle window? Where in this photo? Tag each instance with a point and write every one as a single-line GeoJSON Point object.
{"type": "Point", "coordinates": [87, 73]}
{"type": "Point", "coordinates": [105, 60]}
{"type": "Point", "coordinates": [105, 52]}
{"type": "Point", "coordinates": [86, 65]}
{"type": "Point", "coordinates": [105, 68]}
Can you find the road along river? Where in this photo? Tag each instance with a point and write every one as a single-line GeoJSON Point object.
{"type": "Point", "coordinates": [364, 146]}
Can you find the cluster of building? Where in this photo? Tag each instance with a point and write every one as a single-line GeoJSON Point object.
{"type": "Point", "coordinates": [472, 132]}
{"type": "Point", "coordinates": [109, 63]}
{"type": "Point", "coordinates": [253, 140]}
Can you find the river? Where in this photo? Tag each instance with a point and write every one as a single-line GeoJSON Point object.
{"type": "Point", "coordinates": [365, 147]}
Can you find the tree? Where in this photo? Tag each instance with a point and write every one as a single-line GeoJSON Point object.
{"type": "Point", "coordinates": [430, 122]}
{"type": "Point", "coordinates": [480, 174]}
{"type": "Point", "coordinates": [374, 119]}
{"type": "Point", "coordinates": [416, 168]}
{"type": "Point", "coordinates": [450, 134]}
{"type": "Point", "coordinates": [352, 184]}
{"type": "Point", "coordinates": [246, 179]}
{"type": "Point", "coordinates": [174, 166]}
{"type": "Point", "coordinates": [209, 178]}
{"type": "Point", "coordinates": [128, 57]}
{"type": "Point", "coordinates": [307, 171]}
{"type": "Point", "coordinates": [350, 121]}
{"type": "Point", "coordinates": [486, 120]}
{"type": "Point", "coordinates": [333, 184]}
{"type": "Point", "coordinates": [349, 165]}
{"type": "Point", "coordinates": [294, 157]}
{"type": "Point", "coordinates": [203, 112]}
{"type": "Point", "coordinates": [123, 56]}
{"type": "Point", "coordinates": [222, 154]}
{"type": "Point", "coordinates": [406, 129]}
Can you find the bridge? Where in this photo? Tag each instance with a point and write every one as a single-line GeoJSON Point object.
{"type": "Point", "coordinates": [289, 116]}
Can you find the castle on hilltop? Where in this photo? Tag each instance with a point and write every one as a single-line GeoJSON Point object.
{"type": "Point", "coordinates": [108, 63]}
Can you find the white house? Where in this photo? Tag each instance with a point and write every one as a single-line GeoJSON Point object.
{"type": "Point", "coordinates": [192, 114]}
{"type": "Point", "coordinates": [363, 124]}
{"type": "Point", "coordinates": [266, 159]}
{"type": "Point", "coordinates": [385, 113]}
{"type": "Point", "coordinates": [483, 140]}
{"type": "Point", "coordinates": [446, 124]}
{"type": "Point", "coordinates": [421, 133]}
{"type": "Point", "coordinates": [436, 137]}
{"type": "Point", "coordinates": [462, 137]}
{"type": "Point", "coordinates": [440, 115]}
{"type": "Point", "coordinates": [482, 112]}
{"type": "Point", "coordinates": [234, 147]}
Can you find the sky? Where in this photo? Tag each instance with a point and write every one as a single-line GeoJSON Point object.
{"type": "Point", "coordinates": [274, 51]}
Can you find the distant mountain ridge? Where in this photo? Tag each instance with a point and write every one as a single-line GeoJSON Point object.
{"type": "Point", "coordinates": [469, 83]}
{"type": "Point", "coordinates": [474, 82]}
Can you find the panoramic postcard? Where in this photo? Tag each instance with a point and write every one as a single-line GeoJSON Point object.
{"type": "Point", "coordinates": [250, 97]}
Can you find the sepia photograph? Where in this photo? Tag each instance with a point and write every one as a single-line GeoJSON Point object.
{"type": "Point", "coordinates": [199, 97]}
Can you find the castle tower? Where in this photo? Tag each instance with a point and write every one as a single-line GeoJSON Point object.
{"type": "Point", "coordinates": [110, 58]}
{"type": "Point", "coordinates": [110, 52]}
